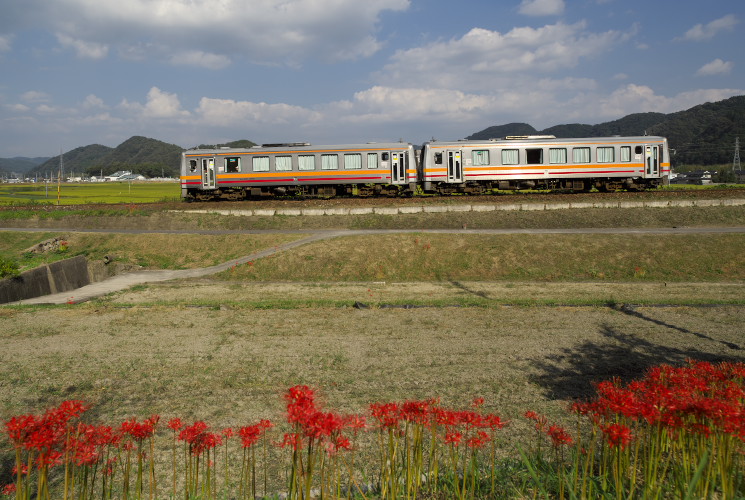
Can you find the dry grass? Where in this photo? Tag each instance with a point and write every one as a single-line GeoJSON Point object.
{"type": "Point", "coordinates": [448, 257]}
{"type": "Point", "coordinates": [231, 365]}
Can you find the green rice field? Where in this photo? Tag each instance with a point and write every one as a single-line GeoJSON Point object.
{"type": "Point", "coordinates": [80, 193]}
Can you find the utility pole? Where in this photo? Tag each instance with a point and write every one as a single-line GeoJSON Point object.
{"type": "Point", "coordinates": [736, 160]}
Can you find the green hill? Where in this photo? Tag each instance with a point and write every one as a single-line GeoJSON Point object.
{"type": "Point", "coordinates": [19, 164]}
{"type": "Point", "coordinates": [141, 155]}
{"type": "Point", "coordinates": [702, 135]}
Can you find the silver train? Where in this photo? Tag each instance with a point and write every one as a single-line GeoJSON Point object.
{"type": "Point", "coordinates": [398, 169]}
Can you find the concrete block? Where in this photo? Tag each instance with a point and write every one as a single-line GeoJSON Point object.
{"type": "Point", "coordinates": [289, 211]}
{"type": "Point", "coordinates": [483, 208]}
{"type": "Point", "coordinates": [682, 203]}
{"type": "Point", "coordinates": [582, 205]}
{"type": "Point", "coordinates": [410, 210]}
{"type": "Point", "coordinates": [69, 274]}
{"type": "Point", "coordinates": [313, 211]}
{"type": "Point", "coordinates": [507, 207]}
{"type": "Point", "coordinates": [558, 206]}
{"type": "Point", "coordinates": [360, 211]}
{"type": "Point", "coordinates": [385, 211]}
{"type": "Point", "coordinates": [656, 204]}
{"type": "Point", "coordinates": [336, 211]}
{"type": "Point", "coordinates": [459, 208]}
{"type": "Point", "coordinates": [435, 209]}
{"type": "Point", "coordinates": [264, 212]}
{"type": "Point", "coordinates": [532, 206]}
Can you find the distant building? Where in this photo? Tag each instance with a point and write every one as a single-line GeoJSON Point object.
{"type": "Point", "coordinates": [117, 175]}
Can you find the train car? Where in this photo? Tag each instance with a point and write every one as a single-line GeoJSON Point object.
{"type": "Point", "coordinates": [299, 169]}
{"type": "Point", "coordinates": [544, 162]}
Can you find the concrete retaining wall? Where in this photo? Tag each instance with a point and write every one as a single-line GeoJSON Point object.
{"type": "Point", "coordinates": [412, 209]}
{"type": "Point", "coordinates": [58, 277]}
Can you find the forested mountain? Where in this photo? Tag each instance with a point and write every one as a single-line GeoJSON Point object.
{"type": "Point", "coordinates": [141, 155]}
{"type": "Point", "coordinates": [19, 164]}
{"type": "Point", "coordinates": [702, 135]}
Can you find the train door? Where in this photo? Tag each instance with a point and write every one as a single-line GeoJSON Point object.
{"type": "Point", "coordinates": [399, 166]}
{"type": "Point", "coordinates": [455, 167]}
{"type": "Point", "coordinates": [208, 173]}
{"type": "Point", "coordinates": [652, 160]}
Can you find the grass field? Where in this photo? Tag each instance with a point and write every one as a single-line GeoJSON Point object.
{"type": "Point", "coordinates": [81, 193]}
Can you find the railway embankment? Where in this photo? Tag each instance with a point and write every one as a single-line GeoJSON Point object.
{"type": "Point", "coordinates": [465, 207]}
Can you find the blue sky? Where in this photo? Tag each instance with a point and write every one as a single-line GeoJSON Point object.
{"type": "Point", "coordinates": [79, 72]}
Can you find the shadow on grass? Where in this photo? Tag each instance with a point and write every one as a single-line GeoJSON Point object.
{"type": "Point", "coordinates": [571, 373]}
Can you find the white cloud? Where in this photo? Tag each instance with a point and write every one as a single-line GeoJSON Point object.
{"type": "Point", "coordinates": [35, 96]}
{"type": "Point", "coordinates": [484, 59]}
{"type": "Point", "coordinates": [200, 59]}
{"type": "Point", "coordinates": [715, 67]}
{"type": "Point", "coordinates": [5, 44]}
{"type": "Point", "coordinates": [18, 108]}
{"type": "Point", "coordinates": [92, 101]}
{"type": "Point", "coordinates": [163, 105]}
{"type": "Point", "coordinates": [541, 7]}
{"type": "Point", "coordinates": [209, 33]}
{"type": "Point", "coordinates": [253, 115]}
{"type": "Point", "coordinates": [710, 30]}
{"type": "Point", "coordinates": [84, 49]}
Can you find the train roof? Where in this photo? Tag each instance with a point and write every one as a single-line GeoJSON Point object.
{"type": "Point", "coordinates": [295, 147]}
{"type": "Point", "coordinates": [515, 140]}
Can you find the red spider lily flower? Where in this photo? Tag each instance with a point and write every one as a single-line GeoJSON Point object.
{"type": "Point", "coordinates": [291, 439]}
{"type": "Point", "coordinates": [477, 402]}
{"type": "Point", "coordinates": [24, 470]}
{"type": "Point", "coordinates": [453, 438]}
{"type": "Point", "coordinates": [617, 435]}
{"type": "Point", "coordinates": [479, 440]}
{"type": "Point", "coordinates": [355, 422]}
{"type": "Point", "coordinates": [140, 431]}
{"type": "Point", "coordinates": [387, 414]}
{"type": "Point", "coordinates": [493, 421]}
{"type": "Point", "coordinates": [18, 427]}
{"type": "Point", "coordinates": [252, 433]}
{"type": "Point", "coordinates": [9, 489]}
{"type": "Point", "coordinates": [175, 424]}
{"type": "Point", "coordinates": [559, 436]}
{"type": "Point", "coordinates": [540, 421]}
{"type": "Point", "coordinates": [415, 411]}
{"type": "Point", "coordinates": [227, 433]}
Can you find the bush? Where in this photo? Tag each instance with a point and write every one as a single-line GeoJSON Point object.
{"type": "Point", "coordinates": [8, 268]}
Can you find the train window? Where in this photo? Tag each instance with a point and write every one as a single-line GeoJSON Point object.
{"type": "Point", "coordinates": [193, 165]}
{"type": "Point", "coordinates": [625, 153]}
{"type": "Point", "coordinates": [581, 155]}
{"type": "Point", "coordinates": [261, 164]}
{"type": "Point", "coordinates": [534, 156]}
{"type": "Point", "coordinates": [384, 156]}
{"type": "Point", "coordinates": [510, 157]}
{"type": "Point", "coordinates": [329, 162]}
{"type": "Point", "coordinates": [283, 163]}
{"type": "Point", "coordinates": [353, 160]}
{"type": "Point", "coordinates": [438, 158]}
{"type": "Point", "coordinates": [606, 154]}
{"type": "Point", "coordinates": [233, 164]}
{"type": "Point", "coordinates": [557, 155]}
{"type": "Point", "coordinates": [372, 160]}
{"type": "Point", "coordinates": [306, 162]}
{"type": "Point", "coordinates": [638, 150]}
{"type": "Point", "coordinates": [480, 157]}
